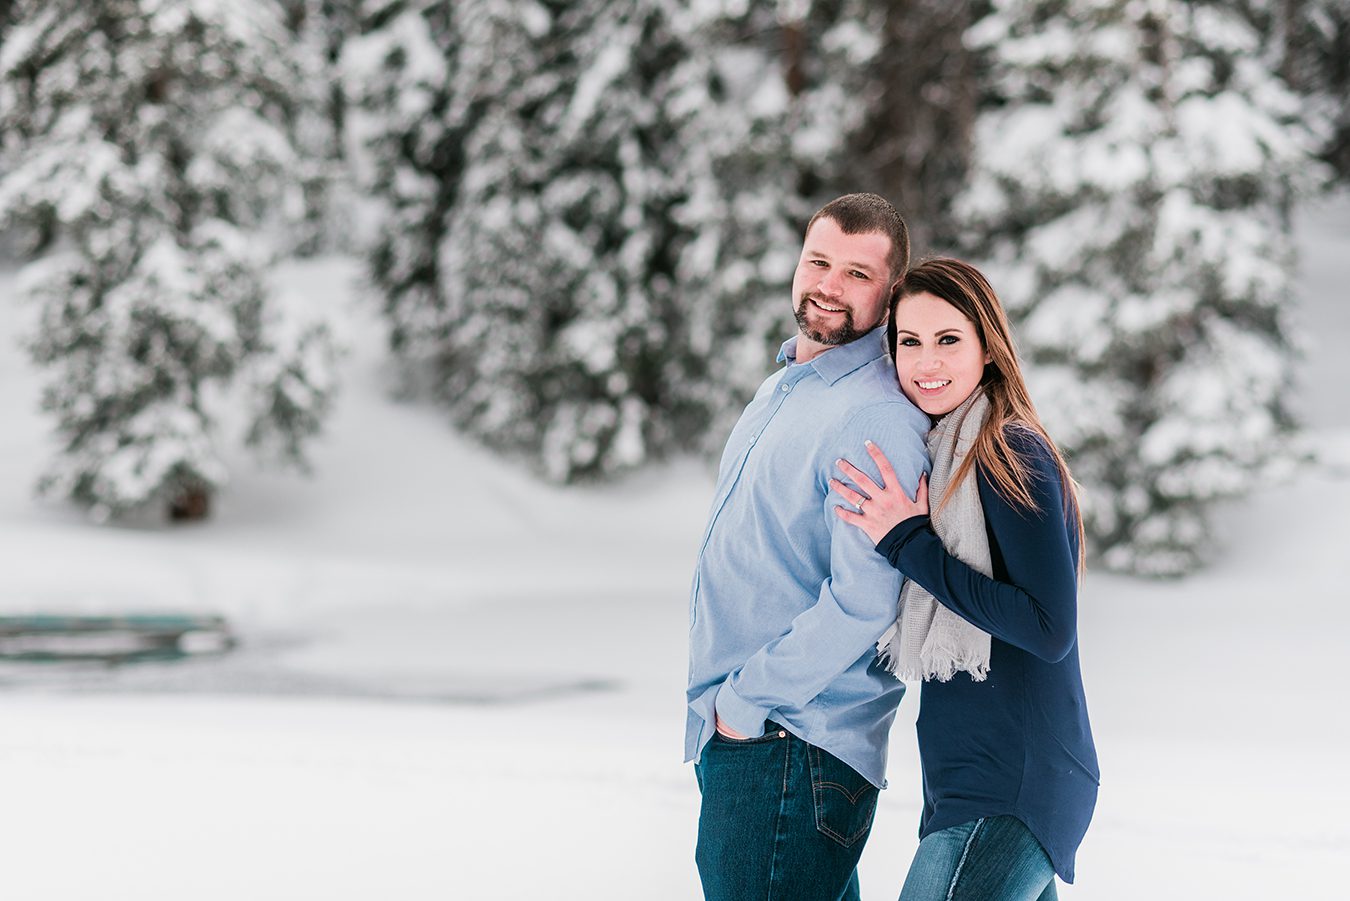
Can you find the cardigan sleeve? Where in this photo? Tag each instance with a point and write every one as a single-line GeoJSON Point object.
{"type": "Point", "coordinates": [1036, 608]}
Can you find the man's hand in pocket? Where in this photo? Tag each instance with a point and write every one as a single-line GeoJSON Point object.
{"type": "Point", "coordinates": [726, 731]}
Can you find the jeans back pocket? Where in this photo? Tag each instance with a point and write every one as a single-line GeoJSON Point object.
{"type": "Point", "coordinates": [845, 802]}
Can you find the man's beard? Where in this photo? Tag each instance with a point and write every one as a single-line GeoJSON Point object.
{"type": "Point", "coordinates": [844, 333]}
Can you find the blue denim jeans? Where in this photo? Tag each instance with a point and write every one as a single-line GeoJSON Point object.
{"type": "Point", "coordinates": [989, 859]}
{"type": "Point", "coordinates": [782, 820]}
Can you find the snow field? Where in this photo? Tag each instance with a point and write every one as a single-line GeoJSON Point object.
{"type": "Point", "coordinates": [312, 763]}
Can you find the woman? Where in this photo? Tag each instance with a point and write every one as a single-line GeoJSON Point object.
{"type": "Point", "coordinates": [1009, 769]}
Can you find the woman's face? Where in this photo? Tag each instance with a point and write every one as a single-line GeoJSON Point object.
{"type": "Point", "coordinates": [938, 354]}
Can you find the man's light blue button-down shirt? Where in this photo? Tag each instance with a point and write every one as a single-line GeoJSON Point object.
{"type": "Point", "coordinates": [788, 601]}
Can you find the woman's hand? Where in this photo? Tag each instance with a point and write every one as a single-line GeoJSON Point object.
{"type": "Point", "coordinates": [880, 509]}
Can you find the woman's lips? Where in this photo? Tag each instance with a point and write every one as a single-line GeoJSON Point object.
{"type": "Point", "coordinates": [930, 387]}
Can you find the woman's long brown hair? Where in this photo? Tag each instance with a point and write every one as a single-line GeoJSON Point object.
{"type": "Point", "coordinates": [965, 288]}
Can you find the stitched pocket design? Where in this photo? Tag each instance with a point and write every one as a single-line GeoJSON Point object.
{"type": "Point", "coordinates": [845, 801]}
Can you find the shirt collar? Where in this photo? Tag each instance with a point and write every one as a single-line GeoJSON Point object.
{"type": "Point", "coordinates": [837, 362]}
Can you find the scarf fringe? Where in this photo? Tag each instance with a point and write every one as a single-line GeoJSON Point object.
{"type": "Point", "coordinates": [937, 664]}
{"type": "Point", "coordinates": [888, 652]}
{"type": "Point", "coordinates": [943, 663]}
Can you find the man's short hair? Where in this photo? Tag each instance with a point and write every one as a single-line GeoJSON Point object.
{"type": "Point", "coordinates": [858, 214]}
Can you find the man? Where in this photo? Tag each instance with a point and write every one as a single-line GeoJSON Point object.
{"type": "Point", "coordinates": [788, 713]}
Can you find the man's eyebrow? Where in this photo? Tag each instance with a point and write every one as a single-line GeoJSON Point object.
{"type": "Point", "coordinates": [865, 267]}
{"type": "Point", "coordinates": [859, 265]}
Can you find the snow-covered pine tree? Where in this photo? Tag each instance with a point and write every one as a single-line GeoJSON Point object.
{"type": "Point", "coordinates": [767, 104]}
{"type": "Point", "coordinates": [396, 77]}
{"type": "Point", "coordinates": [539, 163]}
{"type": "Point", "coordinates": [319, 29]}
{"type": "Point", "coordinates": [6, 12]}
{"type": "Point", "coordinates": [149, 141]}
{"type": "Point", "coordinates": [593, 209]}
{"type": "Point", "coordinates": [1135, 167]}
{"type": "Point", "coordinates": [559, 256]}
{"type": "Point", "coordinates": [1308, 43]}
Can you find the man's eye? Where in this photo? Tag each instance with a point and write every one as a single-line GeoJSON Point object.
{"type": "Point", "coordinates": [818, 263]}
{"type": "Point", "coordinates": [856, 274]}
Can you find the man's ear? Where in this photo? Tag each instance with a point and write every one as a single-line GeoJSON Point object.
{"type": "Point", "coordinates": [895, 292]}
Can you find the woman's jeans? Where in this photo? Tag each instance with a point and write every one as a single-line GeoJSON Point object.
{"type": "Point", "coordinates": [782, 820]}
{"type": "Point", "coordinates": [989, 859]}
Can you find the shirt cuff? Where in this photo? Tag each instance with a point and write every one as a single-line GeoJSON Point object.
{"type": "Point", "coordinates": [889, 546]}
{"type": "Point", "coordinates": [738, 713]}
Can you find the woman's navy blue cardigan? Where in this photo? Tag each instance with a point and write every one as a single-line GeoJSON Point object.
{"type": "Point", "coordinates": [1017, 743]}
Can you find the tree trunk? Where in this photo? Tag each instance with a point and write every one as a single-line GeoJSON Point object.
{"type": "Point", "coordinates": [914, 147]}
{"type": "Point", "coordinates": [190, 505]}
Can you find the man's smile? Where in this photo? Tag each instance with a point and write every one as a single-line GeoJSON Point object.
{"type": "Point", "coordinates": [821, 305]}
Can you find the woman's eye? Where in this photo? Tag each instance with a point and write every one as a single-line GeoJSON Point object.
{"type": "Point", "coordinates": [948, 339]}
{"type": "Point", "coordinates": [909, 342]}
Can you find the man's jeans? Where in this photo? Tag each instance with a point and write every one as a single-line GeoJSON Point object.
{"type": "Point", "coordinates": [782, 820]}
{"type": "Point", "coordinates": [989, 859]}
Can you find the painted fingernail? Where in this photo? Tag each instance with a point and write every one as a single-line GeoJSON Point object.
{"type": "Point", "coordinates": [869, 443]}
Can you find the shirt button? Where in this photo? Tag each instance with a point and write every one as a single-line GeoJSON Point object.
{"type": "Point", "coordinates": [786, 389]}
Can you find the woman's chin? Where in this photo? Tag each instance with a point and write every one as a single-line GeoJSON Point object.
{"type": "Point", "coordinates": [934, 406]}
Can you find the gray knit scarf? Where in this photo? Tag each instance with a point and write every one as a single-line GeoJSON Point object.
{"type": "Point", "coordinates": [928, 641]}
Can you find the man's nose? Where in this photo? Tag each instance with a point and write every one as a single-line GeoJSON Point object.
{"type": "Point", "coordinates": [831, 284]}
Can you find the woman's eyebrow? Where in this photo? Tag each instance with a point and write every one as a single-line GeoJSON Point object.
{"type": "Point", "coordinates": [957, 330]}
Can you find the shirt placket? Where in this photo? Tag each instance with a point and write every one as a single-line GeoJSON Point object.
{"type": "Point", "coordinates": [786, 386]}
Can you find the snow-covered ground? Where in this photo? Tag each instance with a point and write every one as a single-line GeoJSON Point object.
{"type": "Point", "coordinates": [455, 682]}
